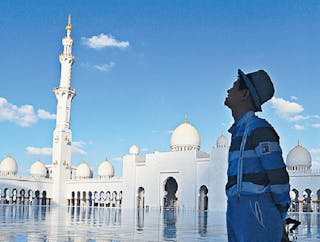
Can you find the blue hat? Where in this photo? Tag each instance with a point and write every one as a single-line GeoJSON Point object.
{"type": "Point", "coordinates": [260, 86]}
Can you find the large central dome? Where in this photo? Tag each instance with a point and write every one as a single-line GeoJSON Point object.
{"type": "Point", "coordinates": [185, 137]}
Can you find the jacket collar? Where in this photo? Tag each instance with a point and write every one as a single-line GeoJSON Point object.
{"type": "Point", "coordinates": [240, 121]}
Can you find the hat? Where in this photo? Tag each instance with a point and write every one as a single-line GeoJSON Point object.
{"type": "Point", "coordinates": [260, 86]}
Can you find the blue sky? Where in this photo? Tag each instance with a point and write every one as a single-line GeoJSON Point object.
{"type": "Point", "coordinates": [141, 66]}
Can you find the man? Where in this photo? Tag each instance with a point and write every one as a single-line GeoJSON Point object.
{"type": "Point", "coordinates": [258, 183]}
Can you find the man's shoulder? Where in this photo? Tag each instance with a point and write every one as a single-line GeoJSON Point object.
{"type": "Point", "coordinates": [258, 122]}
{"type": "Point", "coordinates": [260, 127]}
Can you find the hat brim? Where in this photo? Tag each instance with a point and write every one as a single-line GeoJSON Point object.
{"type": "Point", "coordinates": [252, 90]}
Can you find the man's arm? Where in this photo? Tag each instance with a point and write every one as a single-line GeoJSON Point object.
{"type": "Point", "coordinates": [267, 148]}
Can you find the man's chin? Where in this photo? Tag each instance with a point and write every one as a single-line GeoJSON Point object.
{"type": "Point", "coordinates": [226, 102]}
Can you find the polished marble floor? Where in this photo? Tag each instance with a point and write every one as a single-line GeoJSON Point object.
{"type": "Point", "coordinates": [44, 223]}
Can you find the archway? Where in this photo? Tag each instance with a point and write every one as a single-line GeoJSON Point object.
{"type": "Point", "coordinates": [44, 198]}
{"type": "Point", "coordinates": [6, 196]}
{"type": "Point", "coordinates": [78, 198]}
{"type": "Point", "coordinates": [294, 195]}
{"type": "Point", "coordinates": [96, 198]}
{"type": "Point", "coordinates": [14, 196]}
{"type": "Point", "coordinates": [170, 199]}
{"type": "Point", "coordinates": [30, 196]}
{"type": "Point", "coordinates": [203, 198]}
{"type": "Point", "coordinates": [108, 198]}
{"type": "Point", "coordinates": [84, 197]}
{"type": "Point", "coordinates": [90, 199]}
{"type": "Point", "coordinates": [72, 198]}
{"type": "Point", "coordinates": [140, 198]}
{"type": "Point", "coordinates": [102, 198]}
{"type": "Point", "coordinates": [307, 200]}
{"type": "Point", "coordinates": [22, 194]}
{"type": "Point", "coordinates": [37, 197]}
{"type": "Point", "coordinates": [318, 202]}
{"type": "Point", "coordinates": [114, 197]}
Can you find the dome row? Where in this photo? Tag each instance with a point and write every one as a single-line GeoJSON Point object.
{"type": "Point", "coordinates": [9, 166]}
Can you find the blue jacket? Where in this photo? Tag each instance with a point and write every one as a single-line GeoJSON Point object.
{"type": "Point", "coordinates": [263, 169]}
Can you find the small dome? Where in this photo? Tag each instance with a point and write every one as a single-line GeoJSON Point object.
{"type": "Point", "coordinates": [298, 158]}
{"type": "Point", "coordinates": [222, 141]}
{"type": "Point", "coordinates": [38, 169]}
{"type": "Point", "coordinates": [134, 150]}
{"type": "Point", "coordinates": [185, 137]}
{"type": "Point", "coordinates": [83, 171]}
{"type": "Point", "coordinates": [9, 166]}
{"type": "Point", "coordinates": [105, 169]}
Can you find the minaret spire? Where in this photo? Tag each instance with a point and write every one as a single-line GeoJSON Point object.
{"type": "Point", "coordinates": [69, 26]}
{"type": "Point", "coordinates": [62, 135]}
{"type": "Point", "coordinates": [64, 94]}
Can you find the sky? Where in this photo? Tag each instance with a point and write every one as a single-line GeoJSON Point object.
{"type": "Point", "coordinates": [142, 66]}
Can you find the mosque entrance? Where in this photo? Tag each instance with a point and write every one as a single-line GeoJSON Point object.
{"type": "Point", "coordinates": [140, 197]}
{"type": "Point", "coordinates": [170, 200]}
{"type": "Point", "coordinates": [203, 198]}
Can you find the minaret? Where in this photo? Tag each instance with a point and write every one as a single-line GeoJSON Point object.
{"type": "Point", "coordinates": [62, 135]}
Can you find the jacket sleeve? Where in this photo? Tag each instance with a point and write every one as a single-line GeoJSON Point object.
{"type": "Point", "coordinates": [266, 143]}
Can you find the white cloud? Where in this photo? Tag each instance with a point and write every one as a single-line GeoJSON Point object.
{"type": "Point", "coordinates": [42, 114]}
{"type": "Point", "coordinates": [76, 148]}
{"type": "Point", "coordinates": [118, 159]}
{"type": "Point", "coordinates": [169, 131]}
{"type": "Point", "coordinates": [144, 149]}
{"type": "Point", "coordinates": [23, 116]}
{"type": "Point", "coordinates": [294, 98]}
{"type": "Point", "coordinates": [298, 118]}
{"type": "Point", "coordinates": [103, 40]}
{"type": "Point", "coordinates": [298, 127]}
{"type": "Point", "coordinates": [39, 151]}
{"type": "Point", "coordinates": [316, 163]}
{"type": "Point", "coordinates": [286, 108]}
{"type": "Point", "coordinates": [315, 150]}
{"type": "Point", "coordinates": [104, 67]}
{"type": "Point", "coordinates": [316, 125]}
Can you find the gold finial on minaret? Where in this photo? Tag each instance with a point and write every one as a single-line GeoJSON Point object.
{"type": "Point", "coordinates": [185, 119]}
{"type": "Point", "coordinates": [69, 26]}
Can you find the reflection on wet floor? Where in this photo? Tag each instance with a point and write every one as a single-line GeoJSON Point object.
{"type": "Point", "coordinates": [50, 223]}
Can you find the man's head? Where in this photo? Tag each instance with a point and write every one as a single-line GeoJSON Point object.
{"type": "Point", "coordinates": [239, 96]}
{"type": "Point", "coordinates": [250, 91]}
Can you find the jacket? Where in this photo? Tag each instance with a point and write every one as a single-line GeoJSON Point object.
{"type": "Point", "coordinates": [262, 169]}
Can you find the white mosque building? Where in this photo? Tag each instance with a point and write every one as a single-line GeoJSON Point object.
{"type": "Point", "coordinates": [184, 177]}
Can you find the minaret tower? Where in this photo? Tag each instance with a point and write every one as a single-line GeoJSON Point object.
{"type": "Point", "coordinates": [62, 135]}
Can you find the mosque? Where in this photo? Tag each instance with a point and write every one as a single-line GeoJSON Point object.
{"type": "Point", "coordinates": [185, 177]}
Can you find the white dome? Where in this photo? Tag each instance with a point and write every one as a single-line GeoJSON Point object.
{"type": "Point", "coordinates": [106, 169]}
{"type": "Point", "coordinates": [38, 169]}
{"type": "Point", "coordinates": [222, 141]}
{"type": "Point", "coordinates": [9, 166]}
{"type": "Point", "coordinates": [134, 150]}
{"type": "Point", "coordinates": [298, 158]}
{"type": "Point", "coordinates": [185, 137]}
{"type": "Point", "coordinates": [83, 171]}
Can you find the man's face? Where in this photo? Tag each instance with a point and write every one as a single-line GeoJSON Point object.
{"type": "Point", "coordinates": [234, 95]}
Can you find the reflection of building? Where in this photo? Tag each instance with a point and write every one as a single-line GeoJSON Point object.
{"type": "Point", "coordinates": [183, 177]}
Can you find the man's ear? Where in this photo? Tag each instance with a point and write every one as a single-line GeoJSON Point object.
{"type": "Point", "coordinates": [246, 94]}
